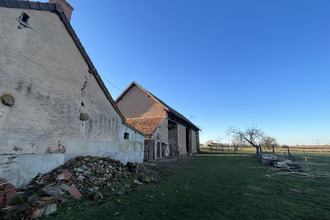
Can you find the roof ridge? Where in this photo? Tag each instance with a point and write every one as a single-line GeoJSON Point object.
{"type": "Point", "coordinates": [147, 117]}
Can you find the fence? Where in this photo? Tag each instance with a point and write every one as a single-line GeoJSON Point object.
{"type": "Point", "coordinates": [295, 150]}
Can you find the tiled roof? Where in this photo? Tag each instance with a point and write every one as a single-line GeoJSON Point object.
{"type": "Point", "coordinates": [146, 125]}
{"type": "Point", "coordinates": [167, 107]}
{"type": "Point", "coordinates": [58, 9]}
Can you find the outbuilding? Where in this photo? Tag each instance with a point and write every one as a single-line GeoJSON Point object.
{"type": "Point", "coordinates": [167, 131]}
{"type": "Point", "coordinates": [54, 105]}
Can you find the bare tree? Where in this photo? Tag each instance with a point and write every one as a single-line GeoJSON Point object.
{"type": "Point", "coordinates": [251, 135]}
{"type": "Point", "coordinates": [268, 142]}
{"type": "Point", "coordinates": [238, 142]}
{"type": "Point", "coordinates": [209, 142]}
{"type": "Point", "coordinates": [218, 139]}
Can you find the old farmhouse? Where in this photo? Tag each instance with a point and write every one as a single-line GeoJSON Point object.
{"type": "Point", "coordinates": [54, 105]}
{"type": "Point", "coordinates": [167, 131]}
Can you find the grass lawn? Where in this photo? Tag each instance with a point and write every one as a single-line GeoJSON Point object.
{"type": "Point", "coordinates": [220, 187]}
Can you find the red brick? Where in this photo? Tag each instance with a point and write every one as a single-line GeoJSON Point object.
{"type": "Point", "coordinates": [75, 193]}
{"type": "Point", "coordinates": [7, 194]}
{"type": "Point", "coordinates": [2, 180]}
{"type": "Point", "coordinates": [65, 175]}
{"type": "Point", "coordinates": [10, 201]}
{"type": "Point", "coordinates": [2, 200]}
{"type": "Point", "coordinates": [11, 191]}
{"type": "Point", "coordinates": [8, 187]}
{"type": "Point", "coordinates": [67, 8]}
{"type": "Point", "coordinates": [10, 196]}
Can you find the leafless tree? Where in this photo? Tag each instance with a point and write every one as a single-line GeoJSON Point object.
{"type": "Point", "coordinates": [268, 142]}
{"type": "Point", "coordinates": [251, 135]}
{"type": "Point", "coordinates": [238, 142]}
{"type": "Point", "coordinates": [218, 139]}
{"type": "Point", "coordinates": [209, 142]}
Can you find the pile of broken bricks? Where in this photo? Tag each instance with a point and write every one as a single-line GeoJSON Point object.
{"type": "Point", "coordinates": [79, 176]}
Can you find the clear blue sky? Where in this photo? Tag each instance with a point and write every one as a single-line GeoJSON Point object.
{"type": "Point", "coordinates": [221, 62]}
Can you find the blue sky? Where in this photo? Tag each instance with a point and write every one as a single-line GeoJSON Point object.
{"type": "Point", "coordinates": [219, 62]}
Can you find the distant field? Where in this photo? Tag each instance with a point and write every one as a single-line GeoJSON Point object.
{"type": "Point", "coordinates": [298, 150]}
{"type": "Point", "coordinates": [311, 146]}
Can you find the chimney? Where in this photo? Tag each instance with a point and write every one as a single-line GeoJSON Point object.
{"type": "Point", "coordinates": [67, 8]}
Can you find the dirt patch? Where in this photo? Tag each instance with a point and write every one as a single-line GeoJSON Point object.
{"type": "Point", "coordinates": [173, 163]}
{"type": "Point", "coordinates": [161, 169]}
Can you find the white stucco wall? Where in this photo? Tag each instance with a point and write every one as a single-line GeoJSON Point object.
{"type": "Point", "coordinates": [49, 79]}
{"type": "Point", "coordinates": [162, 129]}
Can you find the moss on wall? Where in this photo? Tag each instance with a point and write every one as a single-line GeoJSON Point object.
{"type": "Point", "coordinates": [7, 99]}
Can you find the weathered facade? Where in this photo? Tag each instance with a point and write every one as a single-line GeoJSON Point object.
{"type": "Point", "coordinates": [58, 106]}
{"type": "Point", "coordinates": [167, 131]}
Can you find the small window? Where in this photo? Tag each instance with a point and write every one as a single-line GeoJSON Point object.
{"type": "Point", "coordinates": [24, 17]}
{"type": "Point", "coordinates": [23, 20]}
{"type": "Point", "coordinates": [158, 135]}
{"type": "Point", "coordinates": [126, 135]}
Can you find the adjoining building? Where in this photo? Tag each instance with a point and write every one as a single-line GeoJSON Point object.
{"type": "Point", "coordinates": [54, 105]}
{"type": "Point", "coordinates": [167, 131]}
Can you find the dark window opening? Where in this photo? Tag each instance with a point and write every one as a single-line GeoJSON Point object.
{"type": "Point", "coordinates": [23, 20]}
{"type": "Point", "coordinates": [126, 135]}
{"type": "Point", "coordinates": [24, 17]}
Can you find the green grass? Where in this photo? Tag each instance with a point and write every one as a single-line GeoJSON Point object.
{"type": "Point", "coordinates": [221, 187]}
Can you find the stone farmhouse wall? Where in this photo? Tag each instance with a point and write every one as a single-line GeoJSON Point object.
{"type": "Point", "coordinates": [59, 109]}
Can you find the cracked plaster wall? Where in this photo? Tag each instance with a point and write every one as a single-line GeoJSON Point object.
{"type": "Point", "coordinates": [51, 84]}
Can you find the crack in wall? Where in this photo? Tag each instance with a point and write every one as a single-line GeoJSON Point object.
{"type": "Point", "coordinates": [84, 86]}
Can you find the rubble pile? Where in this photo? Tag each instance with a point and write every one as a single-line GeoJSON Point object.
{"type": "Point", "coordinates": [79, 176]}
{"type": "Point", "coordinates": [88, 174]}
{"type": "Point", "coordinates": [279, 162]}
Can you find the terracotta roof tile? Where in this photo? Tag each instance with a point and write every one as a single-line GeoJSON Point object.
{"type": "Point", "coordinates": [146, 125]}
{"type": "Point", "coordinates": [169, 109]}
